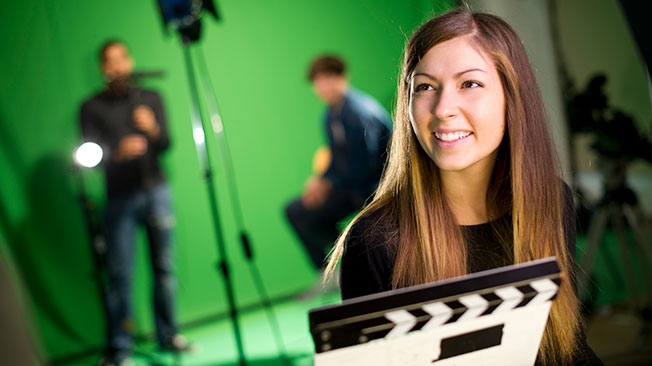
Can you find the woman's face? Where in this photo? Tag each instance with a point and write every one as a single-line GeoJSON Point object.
{"type": "Point", "coordinates": [457, 106]}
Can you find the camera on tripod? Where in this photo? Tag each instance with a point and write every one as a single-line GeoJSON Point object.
{"type": "Point", "coordinates": [618, 142]}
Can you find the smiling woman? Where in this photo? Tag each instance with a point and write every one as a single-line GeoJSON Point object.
{"type": "Point", "coordinates": [457, 109]}
{"type": "Point", "coordinates": [472, 180]}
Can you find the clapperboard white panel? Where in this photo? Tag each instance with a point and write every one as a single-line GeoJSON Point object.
{"type": "Point", "coordinates": [496, 317]}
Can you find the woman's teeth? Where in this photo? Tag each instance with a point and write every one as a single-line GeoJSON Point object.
{"type": "Point", "coordinates": [452, 136]}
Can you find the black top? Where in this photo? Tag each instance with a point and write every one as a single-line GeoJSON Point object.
{"type": "Point", "coordinates": [106, 118]}
{"type": "Point", "coordinates": [369, 255]}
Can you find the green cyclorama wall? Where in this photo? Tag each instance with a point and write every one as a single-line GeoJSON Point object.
{"type": "Point", "coordinates": [257, 57]}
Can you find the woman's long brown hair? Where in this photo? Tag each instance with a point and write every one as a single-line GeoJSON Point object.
{"type": "Point", "coordinates": [525, 179]}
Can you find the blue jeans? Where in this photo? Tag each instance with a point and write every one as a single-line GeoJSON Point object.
{"type": "Point", "coordinates": [150, 208]}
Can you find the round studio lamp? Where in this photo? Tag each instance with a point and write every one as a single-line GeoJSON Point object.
{"type": "Point", "coordinates": [88, 155]}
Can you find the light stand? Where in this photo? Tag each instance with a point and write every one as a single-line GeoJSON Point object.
{"type": "Point", "coordinates": [199, 133]}
{"type": "Point", "coordinates": [86, 156]}
{"type": "Point", "coordinates": [198, 129]}
{"type": "Point", "coordinates": [218, 128]}
{"type": "Point", "coordinates": [184, 15]}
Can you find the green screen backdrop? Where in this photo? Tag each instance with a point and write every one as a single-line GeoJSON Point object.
{"type": "Point", "coordinates": [257, 59]}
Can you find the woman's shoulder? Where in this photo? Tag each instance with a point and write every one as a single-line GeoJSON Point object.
{"type": "Point", "coordinates": [568, 206]}
{"type": "Point", "coordinates": [376, 228]}
{"type": "Point", "coordinates": [566, 193]}
{"type": "Point", "coordinates": [368, 256]}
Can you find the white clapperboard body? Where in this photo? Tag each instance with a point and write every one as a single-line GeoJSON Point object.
{"type": "Point", "coordinates": [495, 317]}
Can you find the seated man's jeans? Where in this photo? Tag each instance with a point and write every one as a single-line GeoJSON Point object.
{"type": "Point", "coordinates": [318, 228]}
{"type": "Point", "coordinates": [150, 208]}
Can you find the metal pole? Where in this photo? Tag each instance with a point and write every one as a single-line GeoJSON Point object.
{"type": "Point", "coordinates": [198, 129]}
{"type": "Point", "coordinates": [218, 129]}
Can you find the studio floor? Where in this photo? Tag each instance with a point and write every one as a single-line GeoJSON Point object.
{"type": "Point", "coordinates": [613, 332]}
{"type": "Point", "coordinates": [617, 335]}
{"type": "Point", "coordinates": [216, 345]}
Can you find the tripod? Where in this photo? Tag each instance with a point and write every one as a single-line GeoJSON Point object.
{"type": "Point", "coordinates": [199, 128]}
{"type": "Point", "coordinates": [96, 237]}
{"type": "Point", "coordinates": [619, 206]}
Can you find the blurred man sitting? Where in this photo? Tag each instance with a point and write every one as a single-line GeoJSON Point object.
{"type": "Point", "coordinates": [358, 129]}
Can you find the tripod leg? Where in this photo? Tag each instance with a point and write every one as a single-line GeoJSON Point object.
{"type": "Point", "coordinates": [634, 215]}
{"type": "Point", "coordinates": [593, 241]}
{"type": "Point", "coordinates": [637, 221]}
{"type": "Point", "coordinates": [619, 229]}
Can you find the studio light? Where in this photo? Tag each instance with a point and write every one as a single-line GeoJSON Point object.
{"type": "Point", "coordinates": [88, 155]}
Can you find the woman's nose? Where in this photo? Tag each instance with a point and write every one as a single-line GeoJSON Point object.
{"type": "Point", "coordinates": [445, 106]}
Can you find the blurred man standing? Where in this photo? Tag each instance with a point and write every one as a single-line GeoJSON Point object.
{"type": "Point", "coordinates": [358, 130]}
{"type": "Point", "coordinates": [130, 125]}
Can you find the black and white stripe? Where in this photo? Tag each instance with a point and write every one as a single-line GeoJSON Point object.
{"type": "Point", "coordinates": [397, 321]}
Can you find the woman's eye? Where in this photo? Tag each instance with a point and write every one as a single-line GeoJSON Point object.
{"type": "Point", "coordinates": [471, 84]}
{"type": "Point", "coordinates": [423, 87]}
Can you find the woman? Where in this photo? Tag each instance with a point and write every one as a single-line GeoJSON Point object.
{"type": "Point", "coordinates": [472, 181]}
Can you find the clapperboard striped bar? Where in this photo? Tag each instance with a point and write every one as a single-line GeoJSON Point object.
{"type": "Point", "coordinates": [495, 317]}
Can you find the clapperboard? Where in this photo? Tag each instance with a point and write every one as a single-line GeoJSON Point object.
{"type": "Point", "coordinates": [495, 317]}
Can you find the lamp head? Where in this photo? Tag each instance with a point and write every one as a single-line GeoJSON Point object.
{"type": "Point", "coordinates": [88, 155]}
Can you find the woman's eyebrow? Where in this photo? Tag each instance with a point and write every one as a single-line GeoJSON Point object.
{"type": "Point", "coordinates": [457, 75]}
{"type": "Point", "coordinates": [469, 70]}
{"type": "Point", "coordinates": [423, 74]}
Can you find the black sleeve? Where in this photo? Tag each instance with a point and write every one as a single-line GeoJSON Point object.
{"type": "Point", "coordinates": [366, 264]}
{"type": "Point", "coordinates": [163, 141]}
{"type": "Point", "coordinates": [584, 355]}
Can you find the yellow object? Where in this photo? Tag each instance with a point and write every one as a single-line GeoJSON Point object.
{"type": "Point", "coordinates": [321, 160]}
